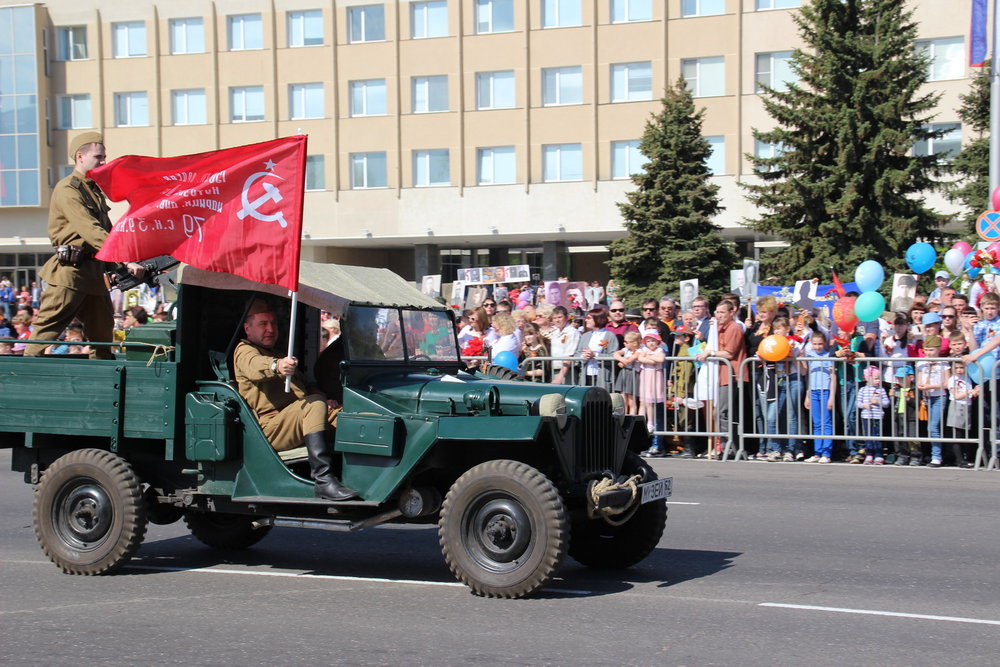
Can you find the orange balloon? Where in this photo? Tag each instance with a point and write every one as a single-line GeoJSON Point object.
{"type": "Point", "coordinates": [774, 348]}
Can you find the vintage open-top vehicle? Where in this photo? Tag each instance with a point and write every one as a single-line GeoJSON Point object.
{"type": "Point", "coordinates": [515, 473]}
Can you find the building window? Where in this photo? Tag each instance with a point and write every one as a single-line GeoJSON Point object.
{"type": "Point", "coordinates": [20, 173]}
{"type": "Point", "coordinates": [764, 149]}
{"type": "Point", "coordinates": [947, 57]}
{"type": "Point", "coordinates": [246, 104]}
{"type": "Point", "coordinates": [626, 159]}
{"type": "Point", "coordinates": [430, 93]}
{"type": "Point", "coordinates": [430, 168]}
{"type": "Point", "coordinates": [561, 13]}
{"type": "Point", "coordinates": [702, 7]}
{"type": "Point", "coordinates": [305, 100]}
{"type": "Point", "coordinates": [945, 146]}
{"type": "Point", "coordinates": [778, 4]}
{"type": "Point", "coordinates": [128, 39]}
{"type": "Point", "coordinates": [495, 165]}
{"type": "Point", "coordinates": [716, 161]}
{"type": "Point", "coordinates": [562, 85]}
{"type": "Point", "coordinates": [495, 90]}
{"type": "Point", "coordinates": [131, 109]}
{"type": "Point", "coordinates": [624, 11]}
{"type": "Point", "coordinates": [74, 112]}
{"type": "Point", "coordinates": [187, 35]}
{"type": "Point", "coordinates": [368, 97]}
{"type": "Point", "coordinates": [189, 106]}
{"type": "Point", "coordinates": [705, 77]}
{"type": "Point", "coordinates": [246, 32]}
{"type": "Point", "coordinates": [305, 28]}
{"type": "Point", "coordinates": [774, 70]}
{"type": "Point", "coordinates": [72, 43]}
{"type": "Point", "coordinates": [315, 172]}
{"type": "Point", "coordinates": [494, 16]}
{"type": "Point", "coordinates": [428, 19]}
{"type": "Point", "coordinates": [367, 23]}
{"type": "Point", "coordinates": [562, 162]}
{"type": "Point", "coordinates": [368, 170]}
{"type": "Point", "coordinates": [631, 82]}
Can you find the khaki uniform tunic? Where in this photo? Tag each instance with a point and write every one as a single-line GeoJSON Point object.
{"type": "Point", "coordinates": [284, 417]}
{"type": "Point", "coordinates": [78, 216]}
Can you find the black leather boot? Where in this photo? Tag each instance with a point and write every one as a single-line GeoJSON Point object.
{"type": "Point", "coordinates": [328, 487]}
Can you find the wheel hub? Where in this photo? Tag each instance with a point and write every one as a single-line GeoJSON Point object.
{"type": "Point", "coordinates": [498, 533]}
{"type": "Point", "coordinates": [83, 515]}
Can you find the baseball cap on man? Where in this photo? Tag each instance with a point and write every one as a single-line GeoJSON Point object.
{"type": "Point", "coordinates": [942, 274]}
{"type": "Point", "coordinates": [82, 140]}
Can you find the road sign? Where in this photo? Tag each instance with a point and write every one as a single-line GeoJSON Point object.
{"type": "Point", "coordinates": [988, 226]}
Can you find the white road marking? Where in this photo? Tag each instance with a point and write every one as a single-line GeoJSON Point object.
{"type": "Point", "coordinates": [332, 577]}
{"type": "Point", "coordinates": [872, 612]}
{"type": "Point", "coordinates": [678, 502]}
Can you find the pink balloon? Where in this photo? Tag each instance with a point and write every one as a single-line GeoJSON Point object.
{"type": "Point", "coordinates": [994, 248]}
{"type": "Point", "coordinates": [963, 246]}
{"type": "Point", "coordinates": [995, 199]}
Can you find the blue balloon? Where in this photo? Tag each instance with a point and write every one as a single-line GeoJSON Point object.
{"type": "Point", "coordinates": [982, 368]}
{"type": "Point", "coordinates": [869, 306]}
{"type": "Point", "coordinates": [869, 275]}
{"type": "Point", "coordinates": [507, 359]}
{"type": "Point", "coordinates": [973, 273]}
{"type": "Point", "coordinates": [920, 257]}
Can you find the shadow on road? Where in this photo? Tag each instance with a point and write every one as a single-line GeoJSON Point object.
{"type": "Point", "coordinates": [416, 555]}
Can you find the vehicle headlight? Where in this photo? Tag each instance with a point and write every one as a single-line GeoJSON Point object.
{"type": "Point", "coordinates": [553, 405]}
{"type": "Point", "coordinates": [617, 405]}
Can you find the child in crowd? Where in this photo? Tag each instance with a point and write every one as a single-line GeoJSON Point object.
{"type": "Point", "coordinates": [932, 379]}
{"type": "Point", "coordinates": [872, 400]}
{"type": "Point", "coordinates": [627, 382]}
{"type": "Point", "coordinates": [22, 328]}
{"type": "Point", "coordinates": [960, 395]}
{"type": "Point", "coordinates": [534, 346]}
{"type": "Point", "coordinates": [652, 387]}
{"type": "Point", "coordinates": [783, 412]}
{"type": "Point", "coordinates": [822, 384]}
{"type": "Point", "coordinates": [5, 348]}
{"type": "Point", "coordinates": [681, 386]}
{"type": "Point", "coordinates": [904, 411]}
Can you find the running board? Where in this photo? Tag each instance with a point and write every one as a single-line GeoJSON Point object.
{"type": "Point", "coordinates": [275, 500]}
{"type": "Point", "coordinates": [340, 525]}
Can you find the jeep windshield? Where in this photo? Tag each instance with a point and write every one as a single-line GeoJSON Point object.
{"type": "Point", "coordinates": [399, 334]}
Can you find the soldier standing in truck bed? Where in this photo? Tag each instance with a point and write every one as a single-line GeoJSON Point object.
{"type": "Point", "coordinates": [78, 226]}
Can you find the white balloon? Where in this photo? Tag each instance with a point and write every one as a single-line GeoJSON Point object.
{"type": "Point", "coordinates": [954, 259]}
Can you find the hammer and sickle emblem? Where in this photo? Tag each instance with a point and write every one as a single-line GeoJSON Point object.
{"type": "Point", "coordinates": [270, 194]}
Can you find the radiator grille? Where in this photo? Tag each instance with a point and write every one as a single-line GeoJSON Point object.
{"type": "Point", "coordinates": [596, 445]}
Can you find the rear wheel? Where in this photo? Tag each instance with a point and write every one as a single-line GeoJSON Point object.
{"type": "Point", "coordinates": [228, 532]}
{"type": "Point", "coordinates": [503, 529]}
{"type": "Point", "coordinates": [89, 513]}
{"type": "Point", "coordinates": [596, 543]}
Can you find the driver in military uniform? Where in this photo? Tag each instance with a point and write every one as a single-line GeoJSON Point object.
{"type": "Point", "coordinates": [78, 226]}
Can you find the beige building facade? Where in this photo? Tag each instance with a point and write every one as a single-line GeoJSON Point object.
{"type": "Point", "coordinates": [442, 134]}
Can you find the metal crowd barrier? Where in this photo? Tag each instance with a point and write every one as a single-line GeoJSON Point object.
{"type": "Point", "coordinates": [767, 405]}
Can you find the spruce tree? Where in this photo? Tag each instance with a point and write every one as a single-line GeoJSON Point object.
{"type": "Point", "coordinates": [971, 166]}
{"type": "Point", "coordinates": [668, 217]}
{"type": "Point", "coordinates": [846, 187]}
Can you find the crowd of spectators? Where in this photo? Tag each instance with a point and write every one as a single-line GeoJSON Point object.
{"type": "Point", "coordinates": [676, 368]}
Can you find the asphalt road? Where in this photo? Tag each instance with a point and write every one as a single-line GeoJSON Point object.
{"type": "Point", "coordinates": [882, 566]}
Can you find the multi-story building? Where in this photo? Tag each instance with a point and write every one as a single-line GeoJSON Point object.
{"type": "Point", "coordinates": [442, 133]}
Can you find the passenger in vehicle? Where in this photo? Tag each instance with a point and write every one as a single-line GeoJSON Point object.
{"type": "Point", "coordinates": [288, 419]}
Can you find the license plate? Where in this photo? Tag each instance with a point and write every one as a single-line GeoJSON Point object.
{"type": "Point", "coordinates": [657, 489]}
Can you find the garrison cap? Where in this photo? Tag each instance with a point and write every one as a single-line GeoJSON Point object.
{"type": "Point", "coordinates": [257, 307]}
{"type": "Point", "coordinates": [82, 140]}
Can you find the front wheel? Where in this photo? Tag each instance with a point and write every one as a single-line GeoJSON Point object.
{"type": "Point", "coordinates": [503, 529]}
{"type": "Point", "coordinates": [597, 543]}
{"type": "Point", "coordinates": [89, 513]}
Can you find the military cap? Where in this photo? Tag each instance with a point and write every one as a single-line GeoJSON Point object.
{"type": "Point", "coordinates": [82, 140]}
{"type": "Point", "coordinates": [257, 307]}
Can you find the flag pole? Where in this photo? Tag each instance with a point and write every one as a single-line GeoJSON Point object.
{"type": "Point", "coordinates": [995, 106]}
{"type": "Point", "coordinates": [291, 335]}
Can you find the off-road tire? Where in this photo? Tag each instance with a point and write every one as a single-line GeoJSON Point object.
{"type": "Point", "coordinates": [88, 512]}
{"type": "Point", "coordinates": [596, 543]}
{"type": "Point", "coordinates": [503, 529]}
{"type": "Point", "coordinates": [501, 373]}
{"type": "Point", "coordinates": [227, 532]}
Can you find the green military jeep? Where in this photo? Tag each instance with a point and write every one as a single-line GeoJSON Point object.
{"type": "Point", "coordinates": [515, 474]}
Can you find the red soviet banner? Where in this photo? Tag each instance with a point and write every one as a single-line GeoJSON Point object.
{"type": "Point", "coordinates": [237, 210]}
